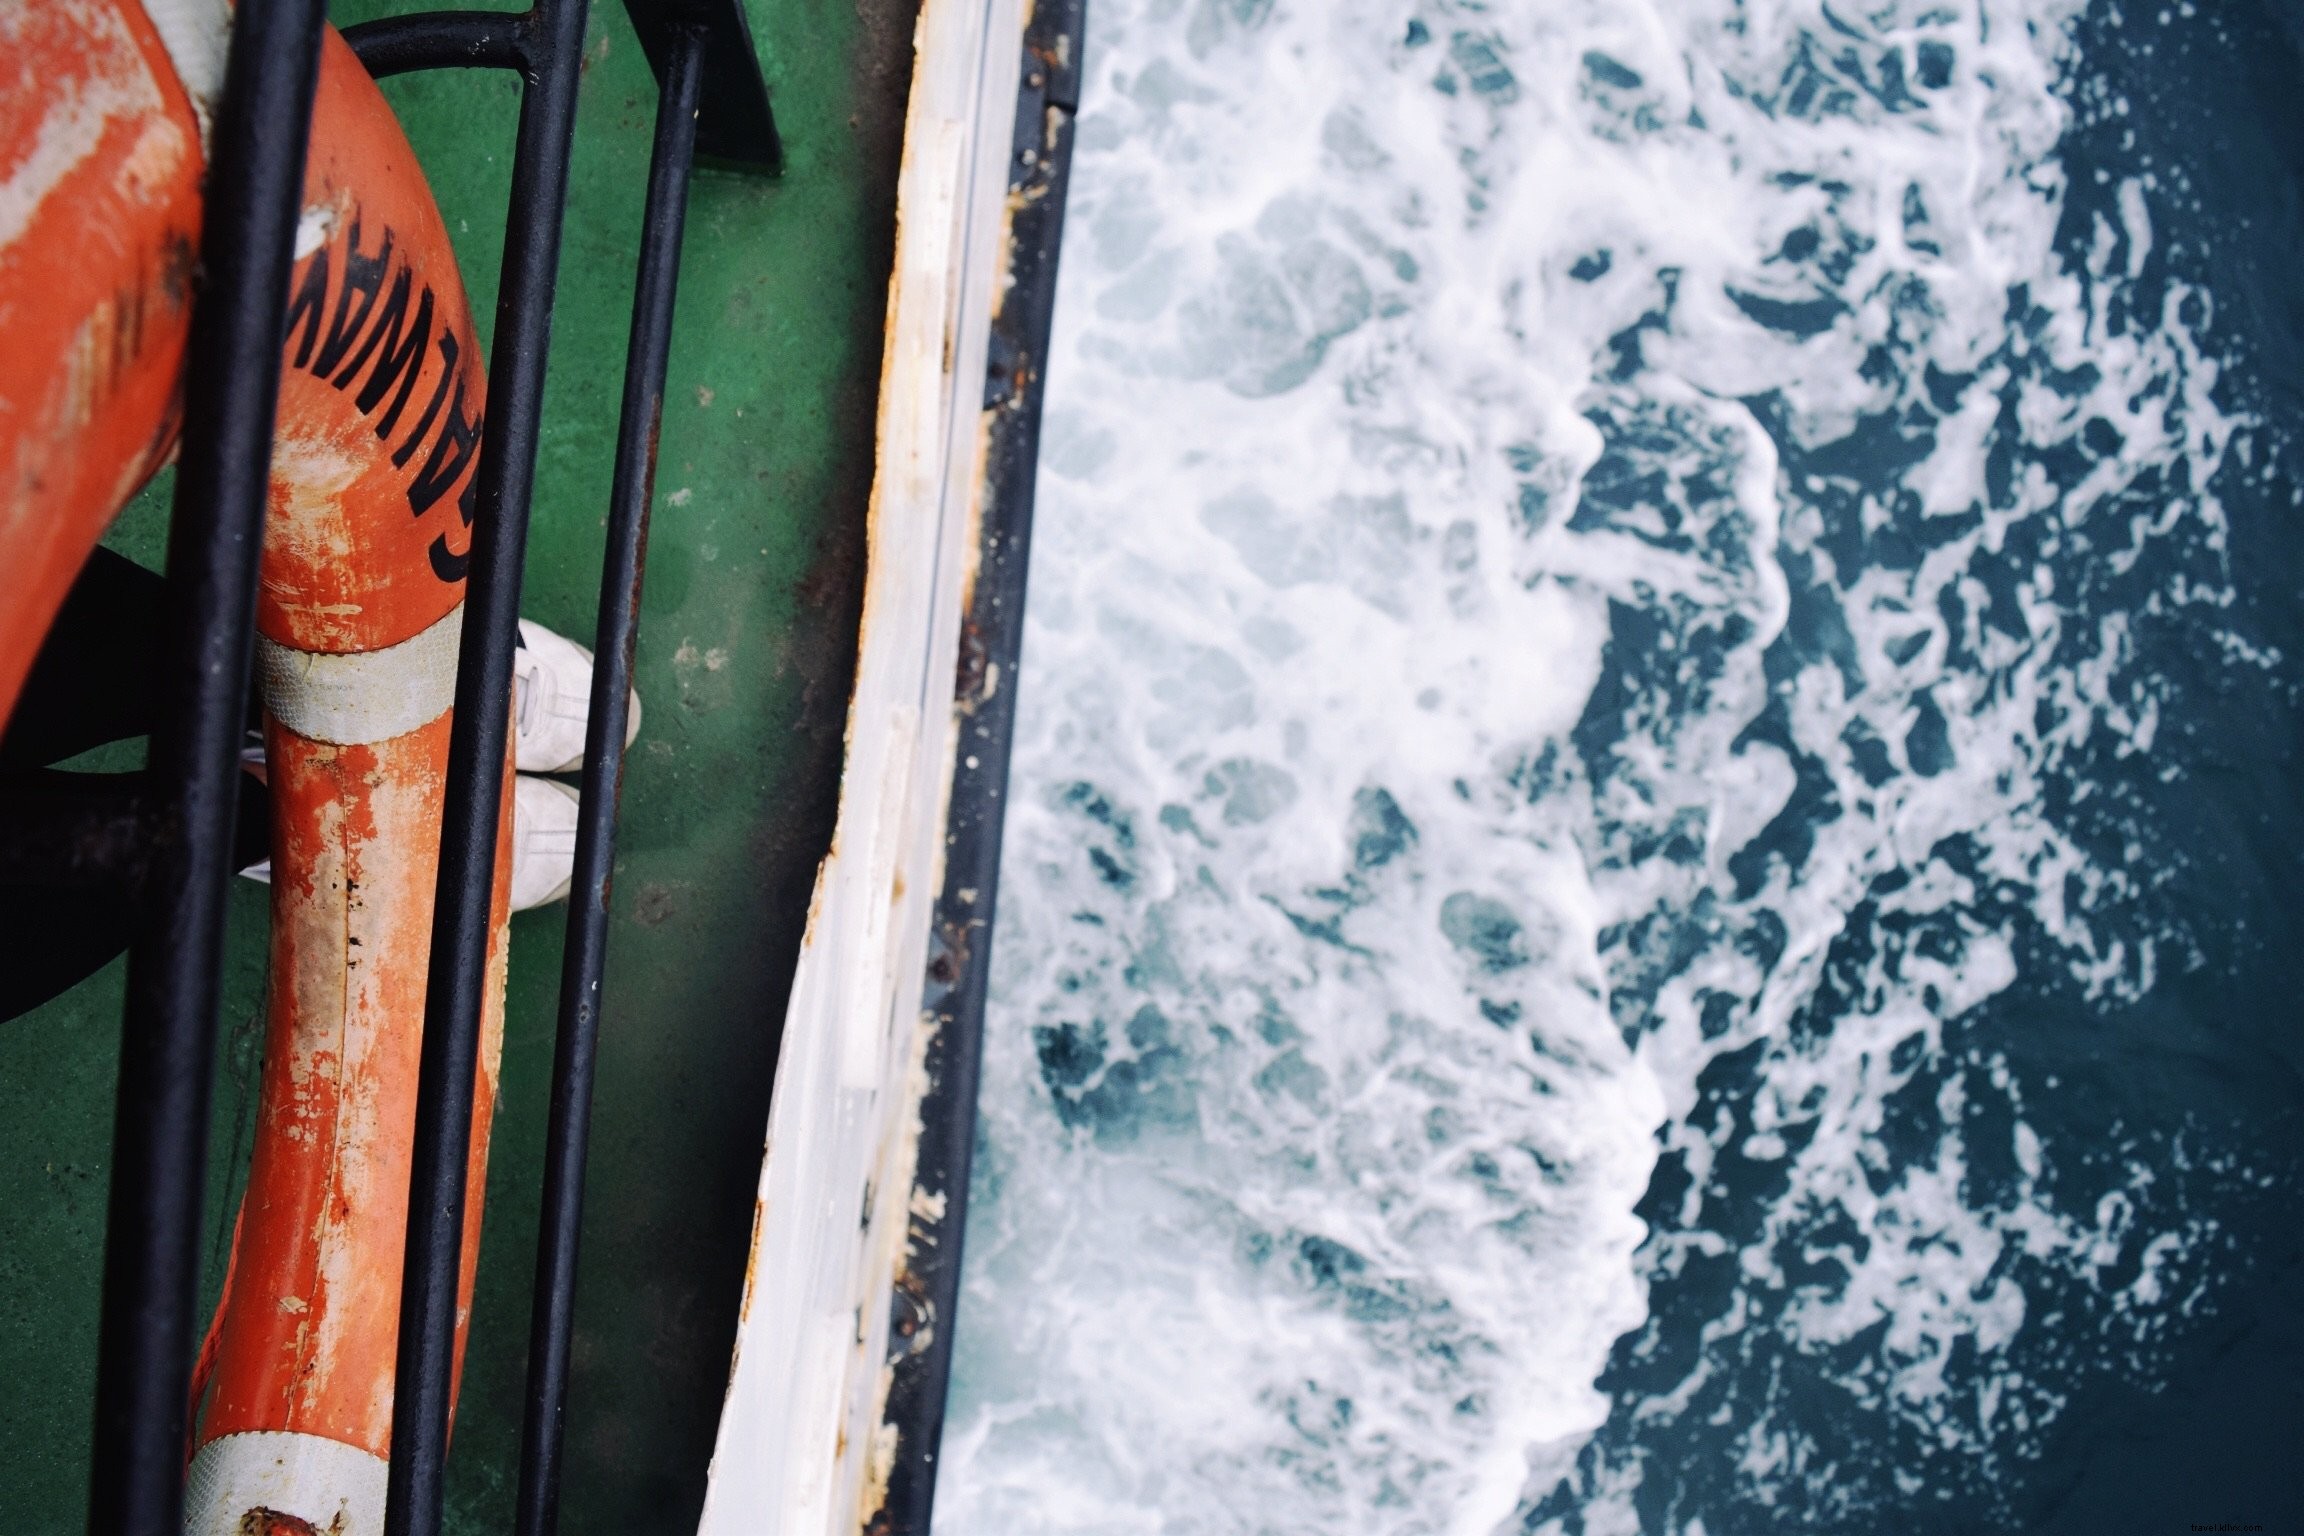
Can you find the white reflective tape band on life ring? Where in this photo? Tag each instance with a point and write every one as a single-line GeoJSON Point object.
{"type": "Point", "coordinates": [364, 696]}
{"type": "Point", "coordinates": [328, 1485]}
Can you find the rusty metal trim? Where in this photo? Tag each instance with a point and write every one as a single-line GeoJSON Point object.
{"type": "Point", "coordinates": [924, 1301]}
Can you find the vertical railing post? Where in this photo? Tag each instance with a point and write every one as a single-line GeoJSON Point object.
{"type": "Point", "coordinates": [575, 1052]}
{"type": "Point", "coordinates": [167, 1055]}
{"type": "Point", "coordinates": [454, 992]}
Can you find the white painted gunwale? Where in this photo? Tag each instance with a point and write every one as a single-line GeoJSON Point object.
{"type": "Point", "coordinates": [801, 1448]}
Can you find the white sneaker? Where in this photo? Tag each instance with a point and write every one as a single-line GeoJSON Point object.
{"type": "Point", "coordinates": [543, 843]}
{"type": "Point", "coordinates": [552, 695]}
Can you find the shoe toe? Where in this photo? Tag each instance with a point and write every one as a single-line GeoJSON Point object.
{"type": "Point", "coordinates": [556, 702]}
{"type": "Point", "coordinates": [544, 816]}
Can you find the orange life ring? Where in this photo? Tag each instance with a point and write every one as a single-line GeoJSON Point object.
{"type": "Point", "coordinates": [358, 617]}
{"type": "Point", "coordinates": [100, 164]}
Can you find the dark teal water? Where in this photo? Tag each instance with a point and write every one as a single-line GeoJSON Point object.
{"type": "Point", "coordinates": [2195, 1413]}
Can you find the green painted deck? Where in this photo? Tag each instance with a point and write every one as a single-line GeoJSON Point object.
{"type": "Point", "coordinates": [746, 647]}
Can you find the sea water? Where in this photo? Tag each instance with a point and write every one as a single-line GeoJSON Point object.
{"type": "Point", "coordinates": [1652, 840]}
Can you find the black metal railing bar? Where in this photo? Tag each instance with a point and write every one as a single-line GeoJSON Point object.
{"type": "Point", "coordinates": [399, 45]}
{"type": "Point", "coordinates": [583, 959]}
{"type": "Point", "coordinates": [456, 985]}
{"type": "Point", "coordinates": [168, 1039]}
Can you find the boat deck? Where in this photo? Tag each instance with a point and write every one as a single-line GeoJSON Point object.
{"type": "Point", "coordinates": [747, 645]}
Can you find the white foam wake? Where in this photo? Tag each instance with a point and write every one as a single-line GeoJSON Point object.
{"type": "Point", "coordinates": [1547, 519]}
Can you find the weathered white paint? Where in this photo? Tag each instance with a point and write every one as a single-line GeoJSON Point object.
{"type": "Point", "coordinates": [117, 87]}
{"type": "Point", "coordinates": [800, 1450]}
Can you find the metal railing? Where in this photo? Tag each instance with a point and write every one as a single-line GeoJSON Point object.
{"type": "Point", "coordinates": [169, 841]}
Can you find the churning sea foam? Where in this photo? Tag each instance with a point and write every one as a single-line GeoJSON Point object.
{"type": "Point", "coordinates": [1551, 519]}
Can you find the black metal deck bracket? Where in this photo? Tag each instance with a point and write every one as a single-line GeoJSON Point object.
{"type": "Point", "coordinates": [734, 122]}
{"type": "Point", "coordinates": [168, 835]}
